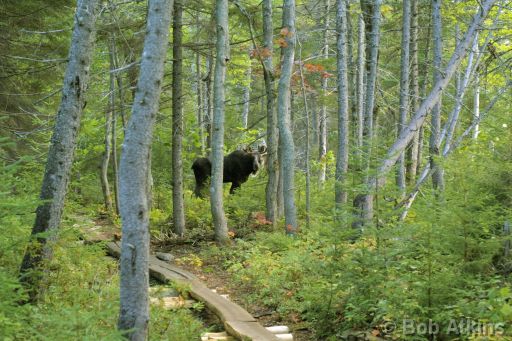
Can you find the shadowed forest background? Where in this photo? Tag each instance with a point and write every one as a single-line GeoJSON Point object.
{"type": "Point", "coordinates": [385, 196]}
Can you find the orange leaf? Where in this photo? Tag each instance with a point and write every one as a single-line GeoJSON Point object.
{"type": "Point", "coordinates": [284, 31]}
{"type": "Point", "coordinates": [282, 42]}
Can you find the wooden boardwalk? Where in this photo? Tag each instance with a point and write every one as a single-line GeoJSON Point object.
{"type": "Point", "coordinates": [237, 321]}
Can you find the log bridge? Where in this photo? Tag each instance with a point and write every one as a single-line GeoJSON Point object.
{"type": "Point", "coordinates": [236, 320]}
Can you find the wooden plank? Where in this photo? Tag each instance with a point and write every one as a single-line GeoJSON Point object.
{"type": "Point", "coordinates": [244, 330]}
{"type": "Point", "coordinates": [237, 321]}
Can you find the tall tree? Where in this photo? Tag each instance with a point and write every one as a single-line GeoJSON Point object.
{"type": "Point", "coordinates": [434, 145]}
{"type": "Point", "coordinates": [246, 98]}
{"type": "Point", "coordinates": [412, 162]}
{"type": "Point", "coordinates": [371, 15]}
{"type": "Point", "coordinates": [109, 114]}
{"type": "Point", "coordinates": [342, 155]}
{"type": "Point", "coordinates": [133, 175]}
{"type": "Point", "coordinates": [272, 131]}
{"type": "Point", "coordinates": [360, 89]}
{"type": "Point", "coordinates": [286, 143]}
{"type": "Point", "coordinates": [222, 50]}
{"type": "Point", "coordinates": [322, 139]}
{"type": "Point", "coordinates": [62, 147]}
{"type": "Point", "coordinates": [404, 89]}
{"type": "Point", "coordinates": [178, 209]}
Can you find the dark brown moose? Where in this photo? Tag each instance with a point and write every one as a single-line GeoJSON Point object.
{"type": "Point", "coordinates": [238, 165]}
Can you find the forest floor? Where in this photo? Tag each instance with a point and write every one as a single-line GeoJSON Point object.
{"type": "Point", "coordinates": [211, 272]}
{"type": "Point", "coordinates": [215, 277]}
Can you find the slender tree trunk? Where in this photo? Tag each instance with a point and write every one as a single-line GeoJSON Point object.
{"type": "Point", "coordinates": [462, 85]}
{"type": "Point", "coordinates": [280, 181]}
{"type": "Point", "coordinates": [62, 147]}
{"type": "Point", "coordinates": [133, 175]}
{"type": "Point", "coordinates": [178, 209]}
{"type": "Point", "coordinates": [113, 79]}
{"type": "Point", "coordinates": [434, 148]}
{"type": "Point", "coordinates": [343, 127]}
{"type": "Point", "coordinates": [285, 133]}
{"type": "Point", "coordinates": [109, 112]}
{"type": "Point", "coordinates": [476, 99]}
{"type": "Point", "coordinates": [412, 155]}
{"type": "Point", "coordinates": [208, 99]}
{"type": "Point", "coordinates": [404, 90]}
{"type": "Point", "coordinates": [307, 146]}
{"type": "Point", "coordinates": [360, 90]}
{"type": "Point", "coordinates": [272, 131]}
{"type": "Point", "coordinates": [222, 48]}
{"type": "Point", "coordinates": [371, 15]}
{"type": "Point", "coordinates": [421, 114]}
{"type": "Point", "coordinates": [421, 133]}
{"type": "Point", "coordinates": [200, 104]}
{"type": "Point", "coordinates": [322, 147]}
{"type": "Point", "coordinates": [246, 98]}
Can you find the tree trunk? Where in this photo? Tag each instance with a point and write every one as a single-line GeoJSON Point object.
{"type": "Point", "coordinates": [307, 147]}
{"type": "Point", "coordinates": [272, 132]}
{"type": "Point", "coordinates": [360, 90]}
{"type": "Point", "coordinates": [283, 102]}
{"type": "Point", "coordinates": [200, 107]}
{"type": "Point", "coordinates": [412, 156]}
{"type": "Point", "coordinates": [459, 98]}
{"type": "Point", "coordinates": [109, 113]}
{"type": "Point", "coordinates": [404, 90]}
{"type": "Point", "coordinates": [222, 49]}
{"type": "Point", "coordinates": [62, 147]}
{"type": "Point", "coordinates": [322, 146]}
{"type": "Point", "coordinates": [133, 175]}
{"type": "Point", "coordinates": [476, 99]}
{"type": "Point", "coordinates": [371, 16]}
{"type": "Point", "coordinates": [178, 209]}
{"type": "Point", "coordinates": [342, 155]}
{"type": "Point", "coordinates": [114, 77]}
{"type": "Point", "coordinates": [421, 114]}
{"type": "Point", "coordinates": [208, 99]}
{"type": "Point", "coordinates": [435, 134]}
{"type": "Point", "coordinates": [246, 98]}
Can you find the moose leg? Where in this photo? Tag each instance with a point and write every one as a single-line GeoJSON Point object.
{"type": "Point", "coordinates": [234, 185]}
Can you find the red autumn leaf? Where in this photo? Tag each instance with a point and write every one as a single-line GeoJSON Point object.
{"type": "Point", "coordinates": [282, 42]}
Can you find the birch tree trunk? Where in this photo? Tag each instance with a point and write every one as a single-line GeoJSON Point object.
{"type": "Point", "coordinates": [133, 175]}
{"type": "Point", "coordinates": [178, 209]}
{"type": "Point", "coordinates": [412, 156]}
{"type": "Point", "coordinates": [404, 90]}
{"type": "Point", "coordinates": [340, 193]}
{"type": "Point", "coordinates": [435, 134]}
{"type": "Point", "coordinates": [421, 114]}
{"type": "Point", "coordinates": [476, 100]}
{"type": "Point", "coordinates": [272, 131]}
{"type": "Point", "coordinates": [217, 158]}
{"type": "Point", "coordinates": [322, 139]}
{"type": "Point", "coordinates": [283, 103]}
{"type": "Point", "coordinates": [62, 147]}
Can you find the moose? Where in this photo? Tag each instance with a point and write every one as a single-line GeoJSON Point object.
{"type": "Point", "coordinates": [238, 165]}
